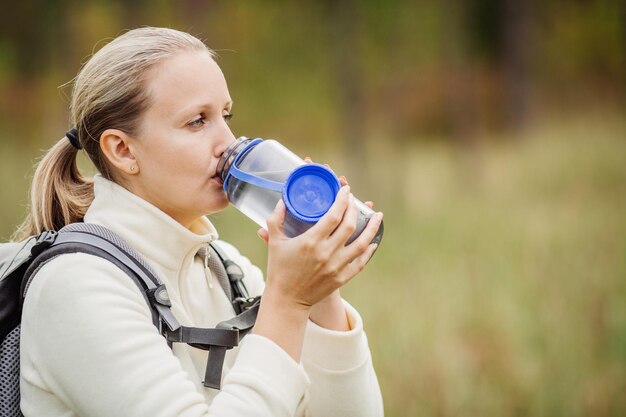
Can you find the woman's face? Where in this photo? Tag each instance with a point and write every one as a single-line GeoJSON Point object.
{"type": "Point", "coordinates": [181, 137]}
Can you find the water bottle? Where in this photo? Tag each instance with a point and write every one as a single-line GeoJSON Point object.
{"type": "Point", "coordinates": [257, 173]}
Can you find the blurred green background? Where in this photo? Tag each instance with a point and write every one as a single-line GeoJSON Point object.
{"type": "Point", "coordinates": [491, 133]}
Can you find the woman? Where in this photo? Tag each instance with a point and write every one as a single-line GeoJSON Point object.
{"type": "Point", "coordinates": [151, 110]}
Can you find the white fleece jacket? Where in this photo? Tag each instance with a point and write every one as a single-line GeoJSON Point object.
{"type": "Point", "coordinates": [89, 348]}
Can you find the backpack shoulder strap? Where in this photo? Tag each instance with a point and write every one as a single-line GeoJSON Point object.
{"type": "Point", "coordinates": [99, 241]}
{"type": "Point", "coordinates": [239, 296]}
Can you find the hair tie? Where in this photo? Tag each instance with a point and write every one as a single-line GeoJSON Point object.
{"type": "Point", "coordinates": [72, 135]}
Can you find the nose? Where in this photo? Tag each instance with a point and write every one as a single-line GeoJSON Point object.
{"type": "Point", "coordinates": [226, 139]}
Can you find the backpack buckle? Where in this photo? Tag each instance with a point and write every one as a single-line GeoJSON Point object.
{"type": "Point", "coordinates": [44, 241]}
{"type": "Point", "coordinates": [242, 304]}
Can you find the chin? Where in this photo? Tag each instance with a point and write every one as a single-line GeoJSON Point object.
{"type": "Point", "coordinates": [217, 204]}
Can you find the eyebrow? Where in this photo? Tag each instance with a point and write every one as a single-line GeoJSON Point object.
{"type": "Point", "coordinates": [194, 107]}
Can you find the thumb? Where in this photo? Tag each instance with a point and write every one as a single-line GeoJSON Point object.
{"type": "Point", "coordinates": [262, 233]}
{"type": "Point", "coordinates": [276, 221]}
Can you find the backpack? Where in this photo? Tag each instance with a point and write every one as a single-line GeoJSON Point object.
{"type": "Point", "coordinates": [19, 263]}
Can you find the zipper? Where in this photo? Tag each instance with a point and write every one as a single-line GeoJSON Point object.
{"type": "Point", "coordinates": [205, 253]}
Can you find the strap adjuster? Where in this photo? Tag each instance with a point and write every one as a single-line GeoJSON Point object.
{"type": "Point", "coordinates": [241, 304]}
{"type": "Point", "coordinates": [159, 295]}
{"type": "Point", "coordinates": [44, 241]}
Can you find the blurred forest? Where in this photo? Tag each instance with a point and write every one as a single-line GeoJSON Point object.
{"type": "Point", "coordinates": [491, 133]}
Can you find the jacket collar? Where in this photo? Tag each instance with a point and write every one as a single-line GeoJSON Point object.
{"type": "Point", "coordinates": [155, 235]}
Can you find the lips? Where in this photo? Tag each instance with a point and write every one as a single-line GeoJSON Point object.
{"type": "Point", "coordinates": [218, 179]}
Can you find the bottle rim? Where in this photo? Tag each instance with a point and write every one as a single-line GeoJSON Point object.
{"type": "Point", "coordinates": [229, 155]}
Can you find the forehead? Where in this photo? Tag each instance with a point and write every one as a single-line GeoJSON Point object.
{"type": "Point", "coordinates": [189, 78]}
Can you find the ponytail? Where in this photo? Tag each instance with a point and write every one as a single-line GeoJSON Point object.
{"type": "Point", "coordinates": [59, 194]}
{"type": "Point", "coordinates": [109, 92]}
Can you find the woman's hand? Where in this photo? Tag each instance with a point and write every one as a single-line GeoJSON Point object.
{"type": "Point", "coordinates": [309, 267]}
{"type": "Point", "coordinates": [305, 269]}
{"type": "Point", "coordinates": [328, 312]}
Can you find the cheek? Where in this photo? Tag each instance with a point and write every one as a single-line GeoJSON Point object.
{"type": "Point", "coordinates": [183, 166]}
{"type": "Point", "coordinates": [175, 180]}
{"type": "Point", "coordinates": [190, 177]}
{"type": "Point", "coordinates": [180, 172]}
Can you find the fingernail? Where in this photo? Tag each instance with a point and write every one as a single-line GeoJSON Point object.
{"type": "Point", "coordinates": [374, 246]}
{"type": "Point", "coordinates": [342, 177]}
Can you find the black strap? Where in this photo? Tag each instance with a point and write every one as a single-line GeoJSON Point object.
{"type": "Point", "coordinates": [243, 324]}
{"type": "Point", "coordinates": [203, 338]}
{"type": "Point", "coordinates": [226, 335]}
{"type": "Point", "coordinates": [214, 367]}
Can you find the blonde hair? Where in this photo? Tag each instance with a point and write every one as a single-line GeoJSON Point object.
{"type": "Point", "coordinates": [109, 92]}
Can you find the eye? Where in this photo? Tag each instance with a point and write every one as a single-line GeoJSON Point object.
{"type": "Point", "coordinates": [199, 122]}
{"type": "Point", "coordinates": [227, 117]}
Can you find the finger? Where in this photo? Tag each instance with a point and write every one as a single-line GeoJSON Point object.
{"type": "Point", "coordinates": [362, 243]}
{"type": "Point", "coordinates": [307, 160]}
{"type": "Point", "coordinates": [369, 204]}
{"type": "Point", "coordinates": [342, 180]}
{"type": "Point", "coordinates": [331, 170]}
{"type": "Point", "coordinates": [263, 234]}
{"type": "Point", "coordinates": [357, 265]}
{"type": "Point", "coordinates": [347, 226]}
{"type": "Point", "coordinates": [329, 222]}
{"type": "Point", "coordinates": [276, 221]}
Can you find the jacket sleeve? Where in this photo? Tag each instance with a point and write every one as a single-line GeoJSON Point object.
{"type": "Point", "coordinates": [88, 338]}
{"type": "Point", "coordinates": [339, 364]}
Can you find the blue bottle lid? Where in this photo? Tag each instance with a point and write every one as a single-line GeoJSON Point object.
{"type": "Point", "coordinates": [309, 192]}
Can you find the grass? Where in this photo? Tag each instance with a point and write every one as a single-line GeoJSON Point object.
{"type": "Point", "coordinates": [500, 288]}
{"type": "Point", "coordinates": [500, 285]}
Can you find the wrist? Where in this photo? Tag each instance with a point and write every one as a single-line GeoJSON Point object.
{"type": "Point", "coordinates": [284, 322]}
{"type": "Point", "coordinates": [330, 313]}
{"type": "Point", "coordinates": [282, 304]}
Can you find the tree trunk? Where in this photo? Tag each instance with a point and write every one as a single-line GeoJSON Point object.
{"type": "Point", "coordinates": [515, 61]}
{"type": "Point", "coordinates": [348, 82]}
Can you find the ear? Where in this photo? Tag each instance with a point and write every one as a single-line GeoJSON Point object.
{"type": "Point", "coordinates": [118, 148]}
